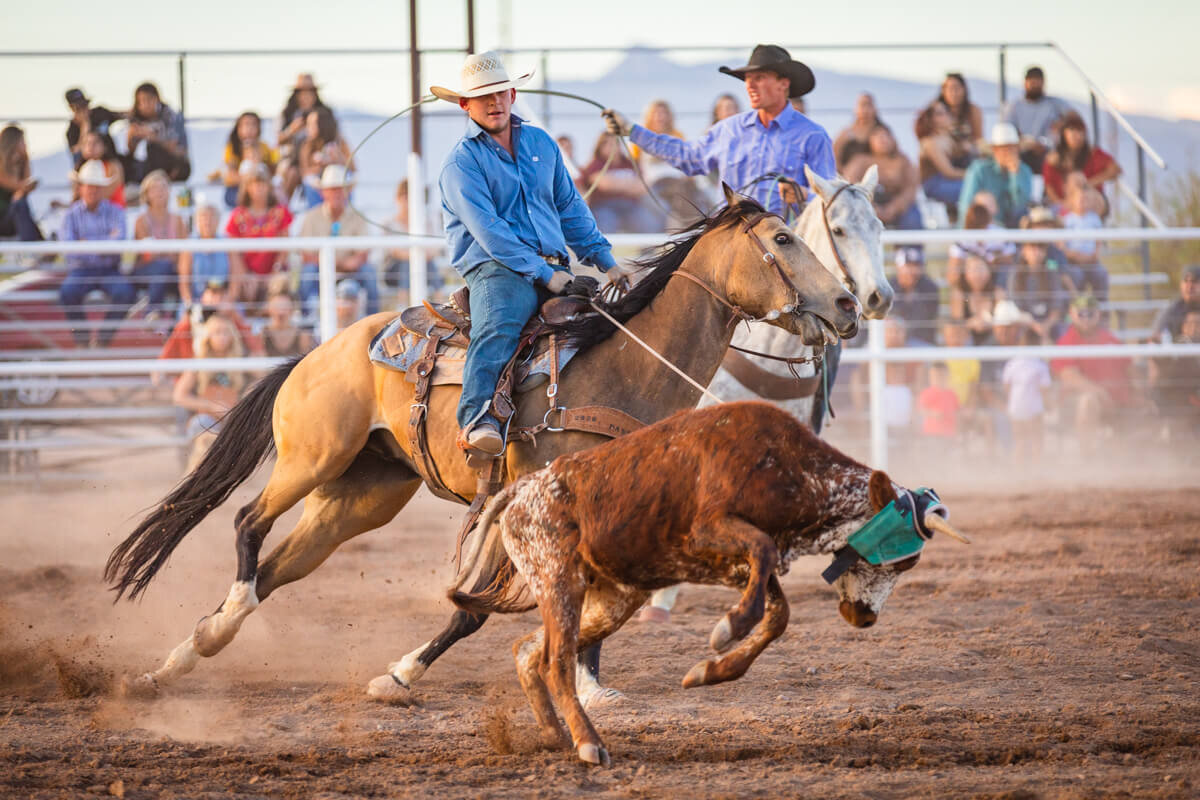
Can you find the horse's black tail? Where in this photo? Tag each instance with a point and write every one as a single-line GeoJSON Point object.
{"type": "Point", "coordinates": [246, 440]}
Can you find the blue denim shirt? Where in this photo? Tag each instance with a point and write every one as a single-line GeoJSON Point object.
{"type": "Point", "coordinates": [80, 225]}
{"type": "Point", "coordinates": [741, 149]}
{"type": "Point", "coordinates": [515, 211]}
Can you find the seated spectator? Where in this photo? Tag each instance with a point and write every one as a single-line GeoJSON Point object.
{"type": "Point", "coordinates": [335, 218]}
{"type": "Point", "coordinates": [853, 140]}
{"type": "Point", "coordinates": [1003, 175]}
{"type": "Point", "coordinates": [94, 219]}
{"type": "Point", "coordinates": [1036, 117]}
{"type": "Point", "coordinates": [395, 269]}
{"type": "Point", "coordinates": [1082, 213]}
{"type": "Point", "coordinates": [156, 273]}
{"type": "Point", "coordinates": [323, 146]}
{"type": "Point", "coordinates": [658, 118]}
{"type": "Point", "coordinates": [210, 395]}
{"type": "Point", "coordinates": [86, 118]}
{"type": "Point", "coordinates": [980, 216]}
{"type": "Point", "coordinates": [617, 196]}
{"type": "Point", "coordinates": [1168, 326]}
{"type": "Point", "coordinates": [938, 405]}
{"type": "Point", "coordinates": [214, 299]}
{"type": "Point", "coordinates": [1176, 384]}
{"type": "Point", "coordinates": [896, 192]}
{"type": "Point", "coordinates": [1040, 284]}
{"type": "Point", "coordinates": [941, 180]}
{"type": "Point", "coordinates": [567, 145]}
{"type": "Point", "coordinates": [973, 298]}
{"type": "Point", "coordinates": [348, 295]}
{"type": "Point", "coordinates": [1026, 380]}
{"type": "Point", "coordinates": [16, 182]}
{"type": "Point", "coordinates": [157, 138]}
{"type": "Point", "coordinates": [197, 270]}
{"type": "Point", "coordinates": [966, 119]}
{"type": "Point", "coordinates": [962, 373]}
{"type": "Point", "coordinates": [726, 105]}
{"type": "Point", "coordinates": [679, 192]}
{"type": "Point", "coordinates": [1009, 324]}
{"type": "Point", "coordinates": [258, 215]}
{"type": "Point", "coordinates": [245, 144]}
{"type": "Point", "coordinates": [293, 130]}
{"type": "Point", "coordinates": [1094, 386]}
{"type": "Point", "coordinates": [916, 299]}
{"type": "Point", "coordinates": [1073, 153]}
{"type": "Point", "coordinates": [95, 148]}
{"type": "Point", "coordinates": [281, 336]}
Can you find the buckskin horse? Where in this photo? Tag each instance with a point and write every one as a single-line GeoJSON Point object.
{"type": "Point", "coordinates": [337, 422]}
{"type": "Point", "coordinates": [725, 495]}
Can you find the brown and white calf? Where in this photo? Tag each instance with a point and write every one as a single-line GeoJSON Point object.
{"type": "Point", "coordinates": [723, 495]}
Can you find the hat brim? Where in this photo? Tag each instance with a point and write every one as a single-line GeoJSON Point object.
{"type": "Point", "coordinates": [451, 96]}
{"type": "Point", "coordinates": [346, 185]}
{"type": "Point", "coordinates": [802, 79]}
{"type": "Point", "coordinates": [109, 180]}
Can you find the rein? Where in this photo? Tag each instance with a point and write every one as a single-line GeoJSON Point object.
{"type": "Point", "coordinates": [851, 285]}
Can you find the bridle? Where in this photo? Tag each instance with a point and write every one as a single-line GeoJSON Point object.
{"type": "Point", "coordinates": [851, 284]}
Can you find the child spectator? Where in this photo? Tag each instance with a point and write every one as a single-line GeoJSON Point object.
{"type": "Point", "coordinates": [281, 336]}
{"type": "Point", "coordinates": [853, 140]}
{"type": "Point", "coordinates": [156, 273]}
{"type": "Point", "coordinates": [86, 118]}
{"type": "Point", "coordinates": [210, 395]}
{"type": "Point", "coordinates": [966, 119]}
{"type": "Point", "coordinates": [157, 138]}
{"type": "Point", "coordinates": [1026, 379]}
{"type": "Point", "coordinates": [196, 270]}
{"type": "Point", "coordinates": [1176, 383]}
{"type": "Point", "coordinates": [258, 215]}
{"type": "Point", "coordinates": [90, 219]}
{"type": "Point", "coordinates": [973, 298]}
{"type": "Point", "coordinates": [1073, 153]}
{"type": "Point", "coordinates": [1040, 284]}
{"type": "Point", "coordinates": [1082, 213]}
{"type": "Point", "coordinates": [896, 192]}
{"type": "Point", "coordinates": [323, 146]}
{"type": "Point", "coordinates": [348, 294]}
{"type": "Point", "coordinates": [245, 144]}
{"type": "Point", "coordinates": [1097, 386]}
{"type": "Point", "coordinates": [333, 217]}
{"type": "Point", "coordinates": [941, 179]}
{"type": "Point", "coordinates": [1168, 325]}
{"type": "Point", "coordinates": [981, 216]}
{"type": "Point", "coordinates": [214, 299]}
{"type": "Point", "coordinates": [939, 404]}
{"type": "Point", "coordinates": [95, 148]}
{"type": "Point", "coordinates": [395, 270]}
{"type": "Point", "coordinates": [16, 182]}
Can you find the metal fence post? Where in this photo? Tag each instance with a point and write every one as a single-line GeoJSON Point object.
{"type": "Point", "coordinates": [182, 82]}
{"type": "Point", "coordinates": [1141, 167]}
{"type": "Point", "coordinates": [1095, 118]}
{"type": "Point", "coordinates": [1003, 89]}
{"type": "Point", "coordinates": [877, 373]}
{"type": "Point", "coordinates": [326, 285]}
{"type": "Point", "coordinates": [418, 259]}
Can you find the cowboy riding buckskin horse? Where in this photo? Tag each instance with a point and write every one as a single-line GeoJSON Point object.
{"type": "Point", "coordinates": [339, 423]}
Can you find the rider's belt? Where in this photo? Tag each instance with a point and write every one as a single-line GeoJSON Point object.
{"type": "Point", "coordinates": [557, 261]}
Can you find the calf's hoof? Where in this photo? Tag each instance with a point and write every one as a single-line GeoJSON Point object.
{"type": "Point", "coordinates": [594, 754]}
{"type": "Point", "coordinates": [722, 635]}
{"type": "Point", "coordinates": [143, 687]}
{"type": "Point", "coordinates": [699, 675]}
{"type": "Point", "coordinates": [388, 688]}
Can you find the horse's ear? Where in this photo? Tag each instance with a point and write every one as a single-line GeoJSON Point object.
{"type": "Point", "coordinates": [818, 184]}
{"type": "Point", "coordinates": [870, 180]}
{"type": "Point", "coordinates": [731, 197]}
{"type": "Point", "coordinates": [880, 491]}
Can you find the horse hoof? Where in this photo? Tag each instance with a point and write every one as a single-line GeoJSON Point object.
{"type": "Point", "coordinates": [722, 635]}
{"type": "Point", "coordinates": [143, 687]}
{"type": "Point", "coordinates": [388, 689]}
{"type": "Point", "coordinates": [601, 697]}
{"type": "Point", "coordinates": [697, 675]}
{"type": "Point", "coordinates": [594, 754]}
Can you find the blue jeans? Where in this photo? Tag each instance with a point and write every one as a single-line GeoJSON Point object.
{"type": "Point", "coordinates": [1093, 278]}
{"type": "Point", "coordinates": [18, 220]}
{"type": "Point", "coordinates": [157, 277]}
{"type": "Point", "coordinates": [943, 189]}
{"type": "Point", "coordinates": [82, 280]}
{"type": "Point", "coordinates": [501, 303]}
{"type": "Point", "coordinates": [310, 286]}
{"type": "Point", "coordinates": [909, 220]}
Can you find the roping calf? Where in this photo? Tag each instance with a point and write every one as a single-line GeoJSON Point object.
{"type": "Point", "coordinates": [723, 495]}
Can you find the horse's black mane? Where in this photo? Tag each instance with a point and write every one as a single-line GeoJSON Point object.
{"type": "Point", "coordinates": [656, 269]}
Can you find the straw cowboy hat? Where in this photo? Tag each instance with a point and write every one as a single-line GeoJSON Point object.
{"type": "Point", "coordinates": [1004, 134]}
{"type": "Point", "coordinates": [335, 177]}
{"type": "Point", "coordinates": [482, 73]}
{"type": "Point", "coordinates": [774, 58]}
{"type": "Point", "coordinates": [92, 173]}
{"type": "Point", "coordinates": [1007, 312]}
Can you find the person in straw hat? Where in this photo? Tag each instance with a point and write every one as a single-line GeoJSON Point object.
{"type": "Point", "coordinates": [334, 217]}
{"type": "Point", "coordinates": [511, 210]}
{"type": "Point", "coordinates": [756, 150]}
{"type": "Point", "coordinates": [92, 218]}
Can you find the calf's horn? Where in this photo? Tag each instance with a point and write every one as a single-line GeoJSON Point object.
{"type": "Point", "coordinates": [938, 523]}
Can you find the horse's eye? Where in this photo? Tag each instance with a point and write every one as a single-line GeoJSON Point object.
{"type": "Point", "coordinates": [838, 231]}
{"type": "Point", "coordinates": [782, 238]}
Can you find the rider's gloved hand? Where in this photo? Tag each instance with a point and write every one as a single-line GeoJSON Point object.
{"type": "Point", "coordinates": [559, 280]}
{"type": "Point", "coordinates": [615, 123]}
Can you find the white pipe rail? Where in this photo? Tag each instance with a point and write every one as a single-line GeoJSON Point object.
{"type": "Point", "coordinates": [1140, 204]}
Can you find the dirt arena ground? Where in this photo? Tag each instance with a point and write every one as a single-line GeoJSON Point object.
{"type": "Point", "coordinates": [1057, 657]}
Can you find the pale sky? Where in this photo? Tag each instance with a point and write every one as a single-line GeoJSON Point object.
{"type": "Point", "coordinates": [1144, 55]}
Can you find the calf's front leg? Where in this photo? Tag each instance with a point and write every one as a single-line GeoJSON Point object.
{"type": "Point", "coordinates": [730, 545]}
{"type": "Point", "coordinates": [734, 664]}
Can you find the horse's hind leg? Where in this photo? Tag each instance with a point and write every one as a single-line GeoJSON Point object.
{"type": "Point", "coordinates": [734, 664]}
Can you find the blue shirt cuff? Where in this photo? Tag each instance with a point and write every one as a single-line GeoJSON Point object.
{"type": "Point", "coordinates": [603, 259]}
{"type": "Point", "coordinates": [545, 272]}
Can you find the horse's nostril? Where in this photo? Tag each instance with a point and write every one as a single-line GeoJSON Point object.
{"type": "Point", "coordinates": [874, 300]}
{"type": "Point", "coordinates": [847, 303]}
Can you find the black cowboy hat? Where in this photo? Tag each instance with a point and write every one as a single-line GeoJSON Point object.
{"type": "Point", "coordinates": [775, 59]}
